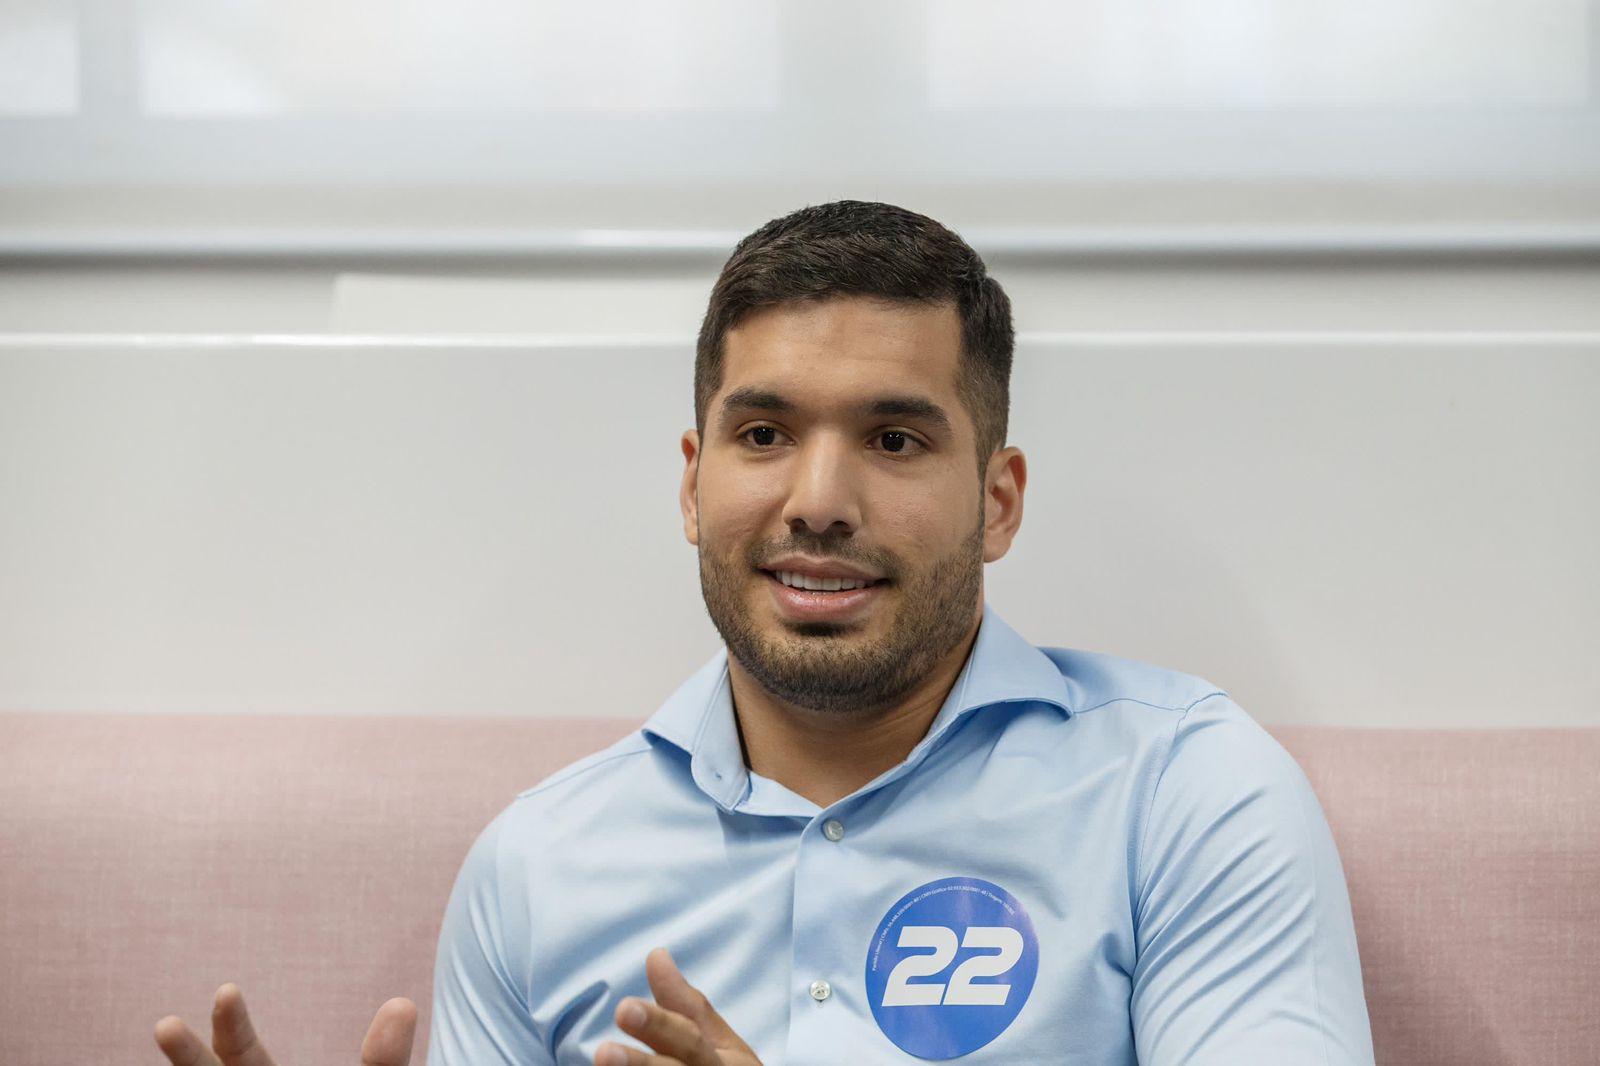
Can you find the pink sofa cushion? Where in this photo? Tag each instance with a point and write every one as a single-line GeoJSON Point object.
{"type": "Point", "coordinates": [147, 859]}
{"type": "Point", "coordinates": [1473, 861]}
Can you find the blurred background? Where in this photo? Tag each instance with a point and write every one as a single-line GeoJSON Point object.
{"type": "Point", "coordinates": [344, 349]}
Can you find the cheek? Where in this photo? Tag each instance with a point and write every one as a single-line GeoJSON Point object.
{"type": "Point", "coordinates": [923, 528]}
{"type": "Point", "coordinates": [735, 519]}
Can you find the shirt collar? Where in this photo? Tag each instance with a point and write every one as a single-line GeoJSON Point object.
{"type": "Point", "coordinates": [1001, 668]}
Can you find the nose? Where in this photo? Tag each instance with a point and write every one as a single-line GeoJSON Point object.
{"type": "Point", "coordinates": [822, 490]}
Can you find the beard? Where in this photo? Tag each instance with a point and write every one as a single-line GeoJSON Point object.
{"type": "Point", "coordinates": [823, 666]}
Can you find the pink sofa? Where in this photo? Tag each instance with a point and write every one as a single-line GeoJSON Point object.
{"type": "Point", "coordinates": [147, 859]}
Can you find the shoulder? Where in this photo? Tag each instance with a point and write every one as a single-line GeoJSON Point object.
{"type": "Point", "coordinates": [1182, 716]}
{"type": "Point", "coordinates": [539, 816]}
{"type": "Point", "coordinates": [1127, 708]}
{"type": "Point", "coordinates": [573, 798]}
{"type": "Point", "coordinates": [1098, 680]}
{"type": "Point", "coordinates": [610, 764]}
{"type": "Point", "coordinates": [1226, 787]}
{"type": "Point", "coordinates": [1216, 738]}
{"type": "Point", "coordinates": [1198, 753]}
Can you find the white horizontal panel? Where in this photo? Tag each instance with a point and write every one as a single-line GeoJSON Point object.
{"type": "Point", "coordinates": [1214, 242]}
{"type": "Point", "coordinates": [1364, 533]}
{"type": "Point", "coordinates": [1394, 340]}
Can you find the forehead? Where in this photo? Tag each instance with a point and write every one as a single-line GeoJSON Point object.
{"type": "Point", "coordinates": [841, 346]}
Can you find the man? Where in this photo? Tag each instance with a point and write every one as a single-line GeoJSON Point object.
{"type": "Point", "coordinates": [880, 826]}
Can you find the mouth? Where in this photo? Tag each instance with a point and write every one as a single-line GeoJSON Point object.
{"type": "Point", "coordinates": [871, 583]}
{"type": "Point", "coordinates": [818, 604]}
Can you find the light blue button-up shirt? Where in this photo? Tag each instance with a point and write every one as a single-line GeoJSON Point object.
{"type": "Point", "coordinates": [1087, 859]}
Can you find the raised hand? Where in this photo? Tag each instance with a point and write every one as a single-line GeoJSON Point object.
{"type": "Point", "coordinates": [681, 1024]}
{"type": "Point", "coordinates": [234, 1043]}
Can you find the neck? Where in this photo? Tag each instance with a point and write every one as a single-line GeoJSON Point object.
{"type": "Point", "coordinates": [827, 756]}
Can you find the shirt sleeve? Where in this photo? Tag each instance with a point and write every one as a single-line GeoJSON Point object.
{"type": "Point", "coordinates": [480, 1018]}
{"type": "Point", "coordinates": [1246, 947]}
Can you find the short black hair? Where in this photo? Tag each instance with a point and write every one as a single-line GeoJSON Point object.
{"type": "Point", "coordinates": [865, 248]}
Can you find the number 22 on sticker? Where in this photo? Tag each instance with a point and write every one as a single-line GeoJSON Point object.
{"type": "Point", "coordinates": [960, 991]}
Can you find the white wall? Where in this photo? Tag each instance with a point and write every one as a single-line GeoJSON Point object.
{"type": "Point", "coordinates": [1386, 518]}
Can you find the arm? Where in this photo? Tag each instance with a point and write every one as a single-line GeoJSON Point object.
{"type": "Point", "coordinates": [479, 1014]}
{"type": "Point", "coordinates": [1246, 944]}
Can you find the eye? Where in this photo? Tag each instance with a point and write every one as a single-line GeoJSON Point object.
{"type": "Point", "coordinates": [903, 437]}
{"type": "Point", "coordinates": [759, 429]}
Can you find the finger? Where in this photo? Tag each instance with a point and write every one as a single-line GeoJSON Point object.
{"type": "Point", "coordinates": [612, 1054]}
{"type": "Point", "coordinates": [180, 1044]}
{"type": "Point", "coordinates": [232, 1035]}
{"type": "Point", "coordinates": [389, 1038]}
{"type": "Point", "coordinates": [666, 1031]}
{"type": "Point", "coordinates": [674, 992]}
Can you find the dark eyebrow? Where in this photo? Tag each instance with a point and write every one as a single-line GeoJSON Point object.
{"type": "Point", "coordinates": [752, 398]}
{"type": "Point", "coordinates": [914, 407]}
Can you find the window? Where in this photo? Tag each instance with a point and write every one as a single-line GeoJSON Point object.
{"type": "Point", "coordinates": [666, 98]}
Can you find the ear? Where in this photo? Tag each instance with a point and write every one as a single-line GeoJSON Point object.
{"type": "Point", "coordinates": [688, 492]}
{"type": "Point", "coordinates": [1004, 484]}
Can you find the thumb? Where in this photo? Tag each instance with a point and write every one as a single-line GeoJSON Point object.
{"type": "Point", "coordinates": [388, 1041]}
{"type": "Point", "coordinates": [674, 992]}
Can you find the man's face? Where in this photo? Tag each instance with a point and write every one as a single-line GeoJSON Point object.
{"type": "Point", "coordinates": [893, 495]}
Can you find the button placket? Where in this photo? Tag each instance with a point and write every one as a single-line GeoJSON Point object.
{"type": "Point", "coordinates": [822, 864]}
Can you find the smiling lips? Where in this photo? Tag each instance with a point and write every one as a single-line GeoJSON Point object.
{"type": "Point", "coordinates": [815, 583]}
{"type": "Point", "coordinates": [822, 603]}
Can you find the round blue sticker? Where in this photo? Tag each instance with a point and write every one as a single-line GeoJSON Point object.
{"type": "Point", "coordinates": [950, 966]}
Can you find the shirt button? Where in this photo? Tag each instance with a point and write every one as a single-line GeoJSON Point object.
{"type": "Point", "coordinates": [821, 990]}
{"type": "Point", "coordinates": [833, 829]}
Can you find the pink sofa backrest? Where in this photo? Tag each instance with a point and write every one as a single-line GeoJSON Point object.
{"type": "Point", "coordinates": [147, 859]}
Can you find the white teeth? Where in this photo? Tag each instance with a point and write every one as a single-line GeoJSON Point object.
{"type": "Point", "coordinates": [819, 584]}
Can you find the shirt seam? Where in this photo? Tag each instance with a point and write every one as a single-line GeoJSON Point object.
{"type": "Point", "coordinates": [1150, 807]}
{"type": "Point", "coordinates": [562, 776]}
{"type": "Point", "coordinates": [1147, 703]}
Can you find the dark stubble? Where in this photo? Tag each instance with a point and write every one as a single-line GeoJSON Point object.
{"type": "Point", "coordinates": [821, 665]}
